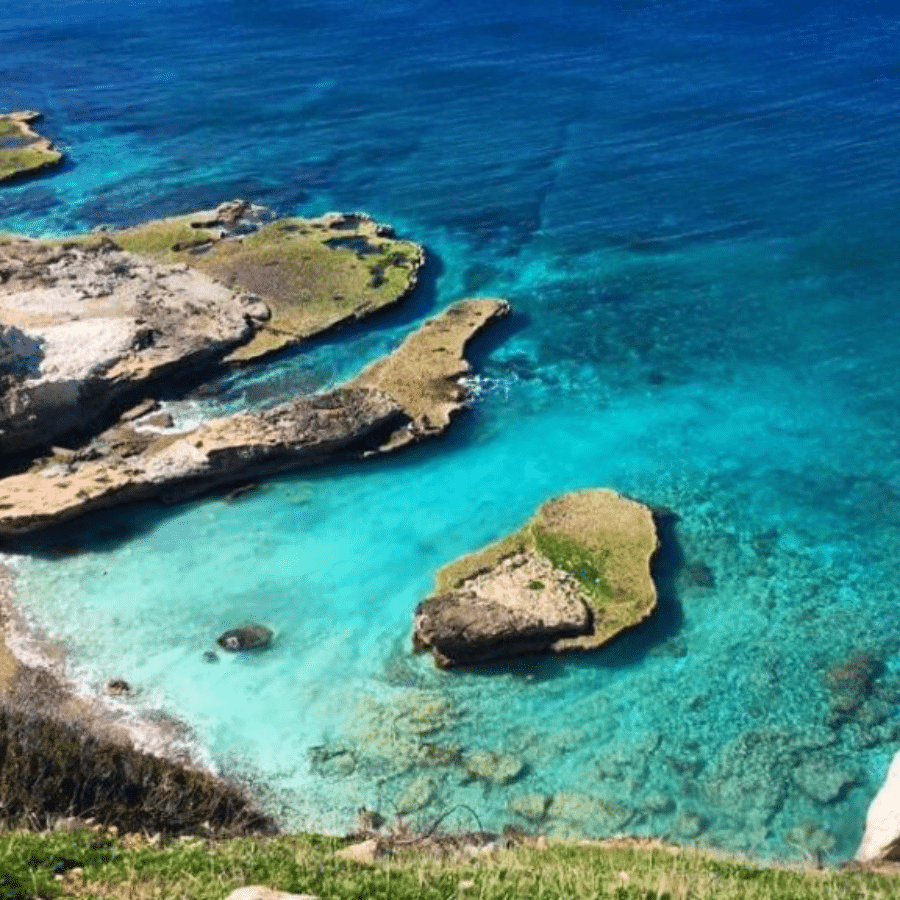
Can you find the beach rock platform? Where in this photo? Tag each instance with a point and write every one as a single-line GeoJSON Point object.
{"type": "Point", "coordinates": [24, 152]}
{"type": "Point", "coordinates": [410, 395]}
{"type": "Point", "coordinates": [573, 578]}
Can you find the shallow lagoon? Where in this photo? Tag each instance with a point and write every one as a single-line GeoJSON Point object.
{"type": "Point", "coordinates": [691, 209]}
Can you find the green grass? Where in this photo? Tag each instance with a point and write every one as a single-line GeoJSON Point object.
{"type": "Point", "coordinates": [8, 128]}
{"type": "Point", "coordinates": [21, 160]}
{"type": "Point", "coordinates": [586, 564]}
{"type": "Point", "coordinates": [87, 864]}
{"type": "Point", "coordinates": [604, 541]}
{"type": "Point", "coordinates": [303, 270]}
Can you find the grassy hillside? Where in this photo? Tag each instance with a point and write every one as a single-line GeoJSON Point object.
{"type": "Point", "coordinates": [94, 864]}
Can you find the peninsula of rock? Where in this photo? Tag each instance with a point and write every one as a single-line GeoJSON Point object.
{"type": "Point", "coordinates": [407, 396]}
{"type": "Point", "coordinates": [90, 326]}
{"type": "Point", "coordinates": [573, 578]}
{"type": "Point", "coordinates": [24, 152]}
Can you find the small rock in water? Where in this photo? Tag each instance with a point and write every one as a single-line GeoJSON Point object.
{"type": "Point", "coordinates": [494, 768]}
{"type": "Point", "coordinates": [690, 825]}
{"type": "Point", "coordinates": [699, 575]}
{"type": "Point", "coordinates": [117, 686]}
{"type": "Point", "coordinates": [211, 656]}
{"type": "Point", "coordinates": [247, 637]}
{"type": "Point", "coordinates": [531, 807]}
{"type": "Point", "coordinates": [332, 762]}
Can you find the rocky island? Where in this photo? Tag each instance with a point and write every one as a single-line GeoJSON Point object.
{"type": "Point", "coordinates": [573, 578]}
{"type": "Point", "coordinates": [24, 152]}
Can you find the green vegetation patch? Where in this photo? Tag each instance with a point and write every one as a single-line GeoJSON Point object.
{"type": "Point", "coordinates": [88, 864]}
{"type": "Point", "coordinates": [313, 274]}
{"type": "Point", "coordinates": [16, 162]}
{"type": "Point", "coordinates": [20, 161]}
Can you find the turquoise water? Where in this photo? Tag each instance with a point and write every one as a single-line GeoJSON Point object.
{"type": "Point", "coordinates": [691, 207]}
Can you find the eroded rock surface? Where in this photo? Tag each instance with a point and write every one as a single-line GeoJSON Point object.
{"type": "Point", "coordinates": [881, 839]}
{"type": "Point", "coordinates": [133, 461]}
{"type": "Point", "coordinates": [84, 324]}
{"type": "Point", "coordinates": [313, 274]}
{"type": "Point", "coordinates": [573, 578]}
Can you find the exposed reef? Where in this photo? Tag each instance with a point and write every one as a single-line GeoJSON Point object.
{"type": "Point", "coordinates": [409, 395]}
{"type": "Point", "coordinates": [573, 578]}
{"type": "Point", "coordinates": [24, 152]}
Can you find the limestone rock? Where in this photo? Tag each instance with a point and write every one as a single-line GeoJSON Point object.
{"type": "Point", "coordinates": [258, 892]}
{"type": "Point", "coordinates": [24, 152]}
{"type": "Point", "coordinates": [363, 852]}
{"type": "Point", "coordinates": [246, 637]}
{"type": "Point", "coordinates": [128, 463]}
{"type": "Point", "coordinates": [573, 578]}
{"type": "Point", "coordinates": [881, 838]}
{"type": "Point", "coordinates": [86, 325]}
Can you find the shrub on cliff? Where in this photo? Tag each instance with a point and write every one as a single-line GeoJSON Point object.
{"type": "Point", "coordinates": [49, 768]}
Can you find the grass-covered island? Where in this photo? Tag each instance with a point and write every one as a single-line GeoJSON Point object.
{"type": "Point", "coordinates": [24, 152]}
{"type": "Point", "coordinates": [572, 578]}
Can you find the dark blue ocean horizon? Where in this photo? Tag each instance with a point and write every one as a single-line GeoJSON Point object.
{"type": "Point", "coordinates": [692, 207]}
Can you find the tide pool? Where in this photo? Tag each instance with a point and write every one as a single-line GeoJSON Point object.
{"type": "Point", "coordinates": [691, 207]}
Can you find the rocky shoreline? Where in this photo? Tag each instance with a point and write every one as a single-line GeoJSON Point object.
{"type": "Point", "coordinates": [92, 329]}
{"type": "Point", "coordinates": [92, 325]}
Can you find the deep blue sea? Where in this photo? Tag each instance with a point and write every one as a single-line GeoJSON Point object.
{"type": "Point", "coordinates": [692, 206]}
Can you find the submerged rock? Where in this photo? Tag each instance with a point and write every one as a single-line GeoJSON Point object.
{"type": "Point", "coordinates": [576, 576]}
{"type": "Point", "coordinates": [247, 637]}
{"type": "Point", "coordinates": [494, 768]}
{"type": "Point", "coordinates": [419, 794]}
{"type": "Point", "coordinates": [588, 813]}
{"type": "Point", "coordinates": [531, 807]}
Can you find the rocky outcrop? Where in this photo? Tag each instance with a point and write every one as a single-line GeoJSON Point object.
{"type": "Point", "coordinates": [246, 637]}
{"type": "Point", "coordinates": [576, 576]}
{"type": "Point", "coordinates": [94, 323]}
{"type": "Point", "coordinates": [881, 839]}
{"type": "Point", "coordinates": [85, 324]}
{"type": "Point", "coordinates": [312, 274]}
{"type": "Point", "coordinates": [24, 152]}
{"type": "Point", "coordinates": [133, 461]}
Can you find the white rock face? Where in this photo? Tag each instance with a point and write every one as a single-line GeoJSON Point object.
{"type": "Point", "coordinates": [883, 818]}
{"type": "Point", "coordinates": [82, 325]}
